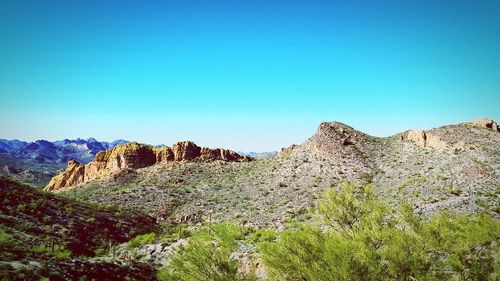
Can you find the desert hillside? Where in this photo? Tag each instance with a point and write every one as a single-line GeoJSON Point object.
{"type": "Point", "coordinates": [452, 167]}
{"type": "Point", "coordinates": [140, 212]}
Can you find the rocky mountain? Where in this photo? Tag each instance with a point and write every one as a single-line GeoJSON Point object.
{"type": "Point", "coordinates": [133, 156]}
{"type": "Point", "coordinates": [455, 167]}
{"type": "Point", "coordinates": [36, 162]}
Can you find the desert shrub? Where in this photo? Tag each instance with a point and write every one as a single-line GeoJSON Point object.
{"type": "Point", "coordinates": [351, 208]}
{"type": "Point", "coordinates": [261, 235]}
{"type": "Point", "coordinates": [58, 251]}
{"type": "Point", "coordinates": [141, 240]}
{"type": "Point", "coordinates": [5, 239]}
{"type": "Point", "coordinates": [366, 241]}
{"type": "Point", "coordinates": [174, 231]}
{"type": "Point", "coordinates": [467, 245]}
{"type": "Point", "coordinates": [207, 256]}
{"type": "Point", "coordinates": [100, 252]}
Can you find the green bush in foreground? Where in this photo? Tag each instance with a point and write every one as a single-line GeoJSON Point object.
{"type": "Point", "coordinates": [207, 256]}
{"type": "Point", "coordinates": [365, 240]}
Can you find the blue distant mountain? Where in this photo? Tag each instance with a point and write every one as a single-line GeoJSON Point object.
{"type": "Point", "coordinates": [42, 151]}
{"type": "Point", "coordinates": [259, 155]}
{"type": "Point", "coordinates": [7, 146]}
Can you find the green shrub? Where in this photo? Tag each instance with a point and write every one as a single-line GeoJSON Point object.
{"type": "Point", "coordinates": [366, 241]}
{"type": "Point", "coordinates": [207, 256]}
{"type": "Point", "coordinates": [262, 235]}
{"type": "Point", "coordinates": [5, 239]}
{"type": "Point", "coordinates": [140, 240]}
{"type": "Point", "coordinates": [62, 253]}
{"type": "Point", "coordinates": [100, 251]}
{"type": "Point", "coordinates": [174, 232]}
{"type": "Point", "coordinates": [58, 251]}
{"type": "Point", "coordinates": [350, 208]}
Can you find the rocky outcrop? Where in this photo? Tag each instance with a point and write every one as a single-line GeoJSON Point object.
{"type": "Point", "coordinates": [425, 139]}
{"type": "Point", "coordinates": [164, 154]}
{"type": "Point", "coordinates": [338, 145]}
{"type": "Point", "coordinates": [334, 138]}
{"type": "Point", "coordinates": [74, 174]}
{"type": "Point", "coordinates": [134, 156]}
{"type": "Point", "coordinates": [486, 123]}
{"type": "Point", "coordinates": [186, 150]}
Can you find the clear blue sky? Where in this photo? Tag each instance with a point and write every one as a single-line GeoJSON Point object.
{"type": "Point", "coordinates": [246, 75]}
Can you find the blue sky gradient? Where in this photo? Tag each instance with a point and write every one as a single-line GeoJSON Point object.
{"type": "Point", "coordinates": [246, 75]}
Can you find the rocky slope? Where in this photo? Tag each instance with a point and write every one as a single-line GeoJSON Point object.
{"type": "Point", "coordinates": [134, 156]}
{"type": "Point", "coordinates": [455, 166]}
{"type": "Point", "coordinates": [44, 235]}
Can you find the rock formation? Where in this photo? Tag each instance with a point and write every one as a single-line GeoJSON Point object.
{"type": "Point", "coordinates": [74, 174]}
{"type": "Point", "coordinates": [486, 123]}
{"type": "Point", "coordinates": [343, 149]}
{"type": "Point", "coordinates": [134, 156]}
{"type": "Point", "coordinates": [334, 138]}
{"type": "Point", "coordinates": [425, 139]}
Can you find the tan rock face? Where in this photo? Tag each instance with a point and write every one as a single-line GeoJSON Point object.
{"type": "Point", "coordinates": [134, 156]}
{"type": "Point", "coordinates": [418, 136]}
{"type": "Point", "coordinates": [185, 150]}
{"type": "Point", "coordinates": [164, 154]}
{"type": "Point", "coordinates": [424, 139]}
{"type": "Point", "coordinates": [74, 174]}
{"type": "Point", "coordinates": [486, 123]}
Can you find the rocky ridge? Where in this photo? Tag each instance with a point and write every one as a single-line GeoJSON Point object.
{"type": "Point", "coordinates": [134, 156]}
{"type": "Point", "coordinates": [463, 175]}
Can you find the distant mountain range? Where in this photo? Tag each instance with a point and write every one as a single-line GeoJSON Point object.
{"type": "Point", "coordinates": [42, 151]}
{"type": "Point", "coordinates": [36, 162]}
{"type": "Point", "coordinates": [259, 155]}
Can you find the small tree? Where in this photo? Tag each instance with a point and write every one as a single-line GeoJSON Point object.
{"type": "Point", "coordinates": [207, 256]}
{"type": "Point", "coordinates": [367, 242]}
{"type": "Point", "coordinates": [350, 207]}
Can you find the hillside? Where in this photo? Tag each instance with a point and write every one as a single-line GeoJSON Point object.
{"type": "Point", "coordinates": [455, 167]}
{"type": "Point", "coordinates": [143, 213]}
{"type": "Point", "coordinates": [45, 235]}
